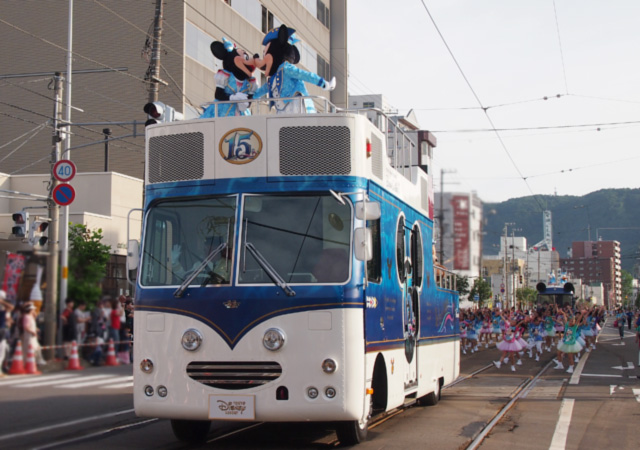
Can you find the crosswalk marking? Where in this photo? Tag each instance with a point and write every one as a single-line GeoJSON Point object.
{"type": "Point", "coordinates": [61, 382]}
{"type": "Point", "coordinates": [20, 379]}
{"type": "Point", "coordinates": [70, 381]}
{"type": "Point", "coordinates": [95, 382]}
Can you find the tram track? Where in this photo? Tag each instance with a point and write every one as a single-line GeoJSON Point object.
{"type": "Point", "coordinates": [520, 391]}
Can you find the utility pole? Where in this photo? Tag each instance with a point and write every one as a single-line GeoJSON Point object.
{"type": "Point", "coordinates": [154, 68]}
{"type": "Point", "coordinates": [50, 309]}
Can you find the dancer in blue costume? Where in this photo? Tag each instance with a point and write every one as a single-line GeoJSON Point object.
{"type": "Point", "coordinates": [234, 82]}
{"type": "Point", "coordinates": [285, 79]}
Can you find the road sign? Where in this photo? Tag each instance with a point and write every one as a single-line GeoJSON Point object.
{"type": "Point", "coordinates": [63, 194]}
{"type": "Point", "coordinates": [64, 170]}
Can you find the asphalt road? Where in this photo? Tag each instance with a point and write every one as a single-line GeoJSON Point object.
{"type": "Point", "coordinates": [535, 407]}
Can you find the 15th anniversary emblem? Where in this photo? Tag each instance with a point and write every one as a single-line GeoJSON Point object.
{"type": "Point", "coordinates": [240, 146]}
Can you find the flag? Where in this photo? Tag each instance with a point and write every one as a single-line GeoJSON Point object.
{"type": "Point", "coordinates": [12, 273]}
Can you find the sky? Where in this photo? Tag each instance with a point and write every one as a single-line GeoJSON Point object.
{"type": "Point", "coordinates": [553, 85]}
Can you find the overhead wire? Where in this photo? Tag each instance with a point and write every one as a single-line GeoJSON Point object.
{"type": "Point", "coordinates": [488, 117]}
{"type": "Point", "coordinates": [564, 69]}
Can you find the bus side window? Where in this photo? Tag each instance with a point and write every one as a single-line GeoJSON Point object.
{"type": "Point", "coordinates": [374, 265]}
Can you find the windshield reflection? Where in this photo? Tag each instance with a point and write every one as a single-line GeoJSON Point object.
{"type": "Point", "coordinates": [306, 239]}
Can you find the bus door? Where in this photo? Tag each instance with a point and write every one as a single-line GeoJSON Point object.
{"type": "Point", "coordinates": [409, 305]}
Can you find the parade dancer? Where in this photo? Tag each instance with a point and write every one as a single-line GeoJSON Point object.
{"type": "Point", "coordinates": [509, 346]}
{"type": "Point", "coordinates": [569, 345]}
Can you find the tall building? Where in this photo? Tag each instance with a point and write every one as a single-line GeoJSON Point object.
{"type": "Point", "coordinates": [597, 261]}
{"type": "Point", "coordinates": [112, 46]}
{"type": "Point", "coordinates": [112, 60]}
{"type": "Point", "coordinates": [459, 231]}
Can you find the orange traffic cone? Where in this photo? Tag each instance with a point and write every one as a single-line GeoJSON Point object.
{"type": "Point", "coordinates": [17, 366]}
{"type": "Point", "coordinates": [74, 361]}
{"type": "Point", "coordinates": [30, 363]}
{"type": "Point", "coordinates": [111, 355]}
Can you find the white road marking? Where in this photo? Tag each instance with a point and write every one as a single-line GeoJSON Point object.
{"type": "Point", "coordinates": [63, 381]}
{"type": "Point", "coordinates": [575, 378]}
{"type": "Point", "coordinates": [636, 392]}
{"type": "Point", "coordinates": [561, 433]}
{"type": "Point", "coordinates": [96, 382]}
{"type": "Point", "coordinates": [603, 375]}
{"type": "Point", "coordinates": [31, 379]}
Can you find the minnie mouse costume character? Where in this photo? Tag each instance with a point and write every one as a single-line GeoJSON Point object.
{"type": "Point", "coordinates": [285, 79]}
{"type": "Point", "coordinates": [235, 82]}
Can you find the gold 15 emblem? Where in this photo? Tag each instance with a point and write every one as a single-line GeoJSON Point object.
{"type": "Point", "coordinates": [231, 304]}
{"type": "Point", "coordinates": [240, 146]}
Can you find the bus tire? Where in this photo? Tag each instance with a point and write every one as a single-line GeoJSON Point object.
{"type": "Point", "coordinates": [351, 432]}
{"type": "Point", "coordinates": [432, 398]}
{"type": "Point", "coordinates": [191, 431]}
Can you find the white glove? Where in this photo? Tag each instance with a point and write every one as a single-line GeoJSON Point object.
{"type": "Point", "coordinates": [175, 253]}
{"type": "Point", "coordinates": [329, 85]}
{"type": "Point", "coordinates": [240, 96]}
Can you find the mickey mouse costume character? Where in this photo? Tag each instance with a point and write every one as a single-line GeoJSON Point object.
{"type": "Point", "coordinates": [285, 79]}
{"type": "Point", "coordinates": [234, 82]}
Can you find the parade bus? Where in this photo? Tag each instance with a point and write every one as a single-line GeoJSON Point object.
{"type": "Point", "coordinates": [285, 273]}
{"type": "Point", "coordinates": [559, 295]}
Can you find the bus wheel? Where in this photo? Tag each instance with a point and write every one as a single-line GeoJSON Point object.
{"type": "Point", "coordinates": [191, 431]}
{"type": "Point", "coordinates": [351, 432]}
{"type": "Point", "coordinates": [432, 398]}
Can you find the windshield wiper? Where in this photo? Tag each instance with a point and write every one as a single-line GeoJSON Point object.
{"type": "Point", "coordinates": [271, 272]}
{"type": "Point", "coordinates": [183, 287]}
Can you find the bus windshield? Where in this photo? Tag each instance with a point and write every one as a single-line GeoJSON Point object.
{"type": "Point", "coordinates": [303, 238]}
{"type": "Point", "coordinates": [181, 235]}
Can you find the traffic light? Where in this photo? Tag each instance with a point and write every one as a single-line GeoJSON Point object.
{"type": "Point", "coordinates": [36, 232]}
{"type": "Point", "coordinates": [158, 112]}
{"type": "Point", "coordinates": [21, 221]}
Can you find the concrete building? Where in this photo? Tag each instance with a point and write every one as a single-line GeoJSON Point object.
{"type": "Point", "coordinates": [103, 201]}
{"type": "Point", "coordinates": [112, 46]}
{"type": "Point", "coordinates": [597, 261]}
{"type": "Point", "coordinates": [459, 232]}
{"type": "Point", "coordinates": [112, 62]}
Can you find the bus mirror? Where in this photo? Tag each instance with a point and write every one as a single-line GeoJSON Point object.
{"type": "Point", "coordinates": [363, 244]}
{"type": "Point", "coordinates": [372, 210]}
{"type": "Point", "coordinates": [133, 254]}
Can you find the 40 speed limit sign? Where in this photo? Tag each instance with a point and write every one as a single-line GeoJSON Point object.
{"type": "Point", "coordinates": [64, 170]}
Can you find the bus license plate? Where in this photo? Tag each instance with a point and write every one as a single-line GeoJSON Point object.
{"type": "Point", "coordinates": [232, 407]}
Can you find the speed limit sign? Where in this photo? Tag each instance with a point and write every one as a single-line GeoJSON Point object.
{"type": "Point", "coordinates": [64, 170]}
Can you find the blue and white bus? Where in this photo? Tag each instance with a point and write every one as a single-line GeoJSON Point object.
{"type": "Point", "coordinates": [286, 273]}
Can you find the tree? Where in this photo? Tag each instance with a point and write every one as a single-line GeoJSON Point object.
{"type": "Point", "coordinates": [482, 289]}
{"type": "Point", "coordinates": [627, 287]}
{"type": "Point", "coordinates": [88, 259]}
{"type": "Point", "coordinates": [526, 296]}
{"type": "Point", "coordinates": [462, 284]}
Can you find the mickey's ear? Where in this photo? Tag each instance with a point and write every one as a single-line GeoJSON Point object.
{"type": "Point", "coordinates": [296, 54]}
{"type": "Point", "coordinates": [218, 50]}
{"type": "Point", "coordinates": [283, 34]}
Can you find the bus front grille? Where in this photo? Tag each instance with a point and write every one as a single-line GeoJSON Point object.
{"type": "Point", "coordinates": [234, 375]}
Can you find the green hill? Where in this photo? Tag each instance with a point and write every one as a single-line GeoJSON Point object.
{"type": "Point", "coordinates": [608, 214]}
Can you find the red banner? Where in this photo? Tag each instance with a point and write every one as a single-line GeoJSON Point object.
{"type": "Point", "coordinates": [12, 272]}
{"type": "Point", "coordinates": [461, 254]}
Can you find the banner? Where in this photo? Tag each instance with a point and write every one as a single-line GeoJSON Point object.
{"type": "Point", "coordinates": [461, 235]}
{"type": "Point", "coordinates": [12, 273]}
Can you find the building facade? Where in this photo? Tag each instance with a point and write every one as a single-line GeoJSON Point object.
{"type": "Point", "coordinates": [597, 261]}
{"type": "Point", "coordinates": [459, 230]}
{"type": "Point", "coordinates": [112, 50]}
{"type": "Point", "coordinates": [112, 59]}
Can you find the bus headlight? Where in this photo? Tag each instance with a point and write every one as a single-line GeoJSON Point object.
{"type": "Point", "coordinates": [191, 339]}
{"type": "Point", "coordinates": [273, 339]}
{"type": "Point", "coordinates": [329, 366]}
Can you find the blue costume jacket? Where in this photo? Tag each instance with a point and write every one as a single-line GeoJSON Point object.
{"type": "Point", "coordinates": [289, 81]}
{"type": "Point", "coordinates": [231, 85]}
